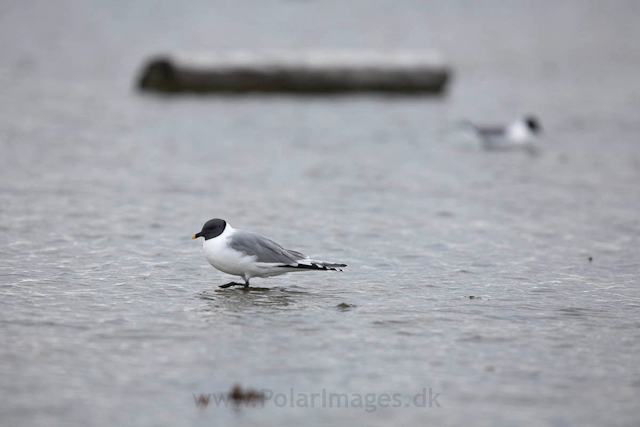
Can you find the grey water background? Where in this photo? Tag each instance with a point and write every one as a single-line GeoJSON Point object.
{"type": "Point", "coordinates": [110, 315]}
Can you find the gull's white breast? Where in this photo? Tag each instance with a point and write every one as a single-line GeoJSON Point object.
{"type": "Point", "coordinates": [519, 133]}
{"type": "Point", "coordinates": [224, 258]}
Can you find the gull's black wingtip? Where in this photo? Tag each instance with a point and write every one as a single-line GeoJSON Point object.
{"type": "Point", "coordinates": [316, 266]}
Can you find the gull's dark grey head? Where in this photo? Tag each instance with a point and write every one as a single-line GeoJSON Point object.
{"type": "Point", "coordinates": [533, 123]}
{"type": "Point", "coordinates": [212, 228]}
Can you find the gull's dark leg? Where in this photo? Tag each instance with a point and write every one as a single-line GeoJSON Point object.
{"type": "Point", "coordinates": [228, 285]}
{"type": "Point", "coordinates": [246, 283]}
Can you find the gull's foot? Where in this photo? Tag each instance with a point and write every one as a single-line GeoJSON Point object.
{"type": "Point", "coordinates": [228, 285]}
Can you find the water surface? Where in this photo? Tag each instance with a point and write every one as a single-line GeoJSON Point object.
{"type": "Point", "coordinates": [111, 315]}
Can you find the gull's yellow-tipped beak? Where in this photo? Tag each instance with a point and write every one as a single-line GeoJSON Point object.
{"type": "Point", "coordinates": [193, 237]}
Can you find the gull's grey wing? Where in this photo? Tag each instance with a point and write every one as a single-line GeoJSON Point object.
{"type": "Point", "coordinates": [491, 132]}
{"type": "Point", "coordinates": [484, 131]}
{"type": "Point", "coordinates": [266, 250]}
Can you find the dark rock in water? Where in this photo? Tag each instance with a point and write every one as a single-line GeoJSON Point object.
{"type": "Point", "coordinates": [344, 306]}
{"type": "Point", "coordinates": [590, 259]}
{"type": "Point", "coordinates": [238, 395]}
{"type": "Point", "coordinates": [299, 72]}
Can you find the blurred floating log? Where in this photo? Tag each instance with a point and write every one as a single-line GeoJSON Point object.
{"type": "Point", "coordinates": [298, 72]}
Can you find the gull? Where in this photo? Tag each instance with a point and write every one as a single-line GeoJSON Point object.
{"type": "Point", "coordinates": [522, 133]}
{"type": "Point", "coordinates": [248, 255]}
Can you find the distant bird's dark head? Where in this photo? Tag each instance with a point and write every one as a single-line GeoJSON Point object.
{"type": "Point", "coordinates": [533, 123]}
{"type": "Point", "coordinates": [212, 228]}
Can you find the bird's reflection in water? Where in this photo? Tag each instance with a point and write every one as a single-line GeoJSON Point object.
{"type": "Point", "coordinates": [252, 299]}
